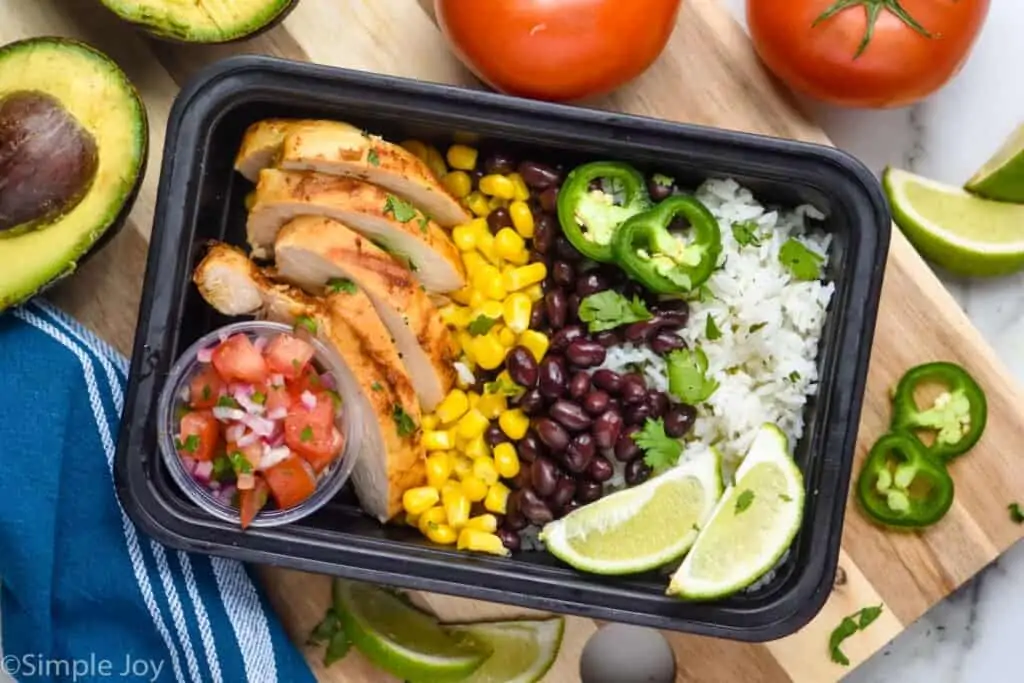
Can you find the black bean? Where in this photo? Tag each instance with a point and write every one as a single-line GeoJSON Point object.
{"type": "Point", "coordinates": [614, 404]}
{"type": "Point", "coordinates": [552, 380]}
{"type": "Point", "coordinates": [666, 341]}
{"type": "Point", "coordinates": [515, 522]}
{"type": "Point", "coordinates": [678, 224]}
{"type": "Point", "coordinates": [499, 162]}
{"type": "Point", "coordinates": [626, 448]}
{"type": "Point", "coordinates": [531, 402]}
{"type": "Point", "coordinates": [674, 320]}
{"type": "Point", "coordinates": [570, 415]}
{"type": "Point", "coordinates": [607, 338]}
{"type": "Point", "coordinates": [599, 469]}
{"type": "Point", "coordinates": [679, 420]}
{"type": "Point", "coordinates": [475, 176]}
{"type": "Point", "coordinates": [548, 199]}
{"type": "Point", "coordinates": [538, 318]}
{"type": "Point", "coordinates": [565, 251]}
{"type": "Point", "coordinates": [561, 339]}
{"type": "Point", "coordinates": [563, 274]}
{"type": "Point", "coordinates": [658, 400]}
{"type": "Point", "coordinates": [637, 413]}
{"type": "Point", "coordinates": [579, 385]}
{"type": "Point", "coordinates": [522, 480]}
{"type": "Point", "coordinates": [493, 436]}
{"type": "Point", "coordinates": [509, 539]}
{"type": "Point", "coordinates": [641, 332]}
{"type": "Point", "coordinates": [563, 493]}
{"type": "Point", "coordinates": [607, 428]}
{"type": "Point", "coordinates": [596, 401]}
{"type": "Point", "coordinates": [544, 475]}
{"type": "Point", "coordinates": [634, 388]}
{"type": "Point", "coordinates": [588, 491]}
{"type": "Point", "coordinates": [522, 366]}
{"type": "Point", "coordinates": [585, 354]}
{"type": "Point", "coordinates": [637, 472]}
{"type": "Point", "coordinates": [574, 308]}
{"type": "Point", "coordinates": [544, 233]}
{"type": "Point", "coordinates": [609, 380]}
{"type": "Point", "coordinates": [535, 509]}
{"type": "Point", "coordinates": [556, 308]}
{"type": "Point", "coordinates": [499, 218]}
{"type": "Point", "coordinates": [591, 282]}
{"type": "Point", "coordinates": [569, 507]}
{"type": "Point", "coordinates": [671, 305]}
{"type": "Point", "coordinates": [530, 447]}
{"type": "Point", "coordinates": [579, 453]}
{"type": "Point", "coordinates": [659, 191]}
{"type": "Point", "coordinates": [538, 176]}
{"type": "Point", "coordinates": [552, 434]}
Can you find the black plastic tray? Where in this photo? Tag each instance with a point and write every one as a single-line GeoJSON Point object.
{"type": "Point", "coordinates": [201, 198]}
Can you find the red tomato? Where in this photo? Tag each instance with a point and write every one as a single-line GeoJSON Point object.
{"type": "Point", "coordinates": [205, 388]}
{"type": "Point", "coordinates": [322, 459]}
{"type": "Point", "coordinates": [307, 381]}
{"type": "Point", "coordinates": [290, 482]}
{"type": "Point", "coordinates": [253, 452]}
{"type": "Point", "coordinates": [251, 501]}
{"type": "Point", "coordinates": [814, 46]}
{"type": "Point", "coordinates": [277, 398]}
{"type": "Point", "coordinates": [310, 433]}
{"type": "Point", "coordinates": [236, 359]}
{"type": "Point", "coordinates": [557, 49]}
{"type": "Point", "coordinates": [288, 355]}
{"type": "Point", "coordinates": [199, 436]}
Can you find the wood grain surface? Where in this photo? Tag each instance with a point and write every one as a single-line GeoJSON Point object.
{"type": "Point", "coordinates": [708, 75]}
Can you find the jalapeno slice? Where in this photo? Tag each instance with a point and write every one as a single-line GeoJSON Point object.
{"type": "Point", "coordinates": [589, 216]}
{"type": "Point", "coordinates": [901, 486]}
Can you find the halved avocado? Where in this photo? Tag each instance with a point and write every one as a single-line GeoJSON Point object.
{"type": "Point", "coordinates": [202, 21]}
{"type": "Point", "coordinates": [73, 144]}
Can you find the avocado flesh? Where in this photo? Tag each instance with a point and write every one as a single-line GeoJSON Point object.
{"type": "Point", "coordinates": [201, 21]}
{"type": "Point", "coordinates": [95, 92]}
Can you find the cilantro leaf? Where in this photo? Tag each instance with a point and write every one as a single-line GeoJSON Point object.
{"type": "Point", "coordinates": [745, 234]}
{"type": "Point", "coordinates": [503, 387]}
{"type": "Point", "coordinates": [341, 284]}
{"type": "Point", "coordinates": [744, 501]}
{"type": "Point", "coordinates": [259, 398]}
{"type": "Point", "coordinates": [338, 647]}
{"type": "Point", "coordinates": [608, 309]}
{"type": "Point", "coordinates": [335, 398]}
{"type": "Point", "coordinates": [481, 325]}
{"type": "Point", "coordinates": [711, 330]}
{"type": "Point", "coordinates": [660, 450]}
{"type": "Point", "coordinates": [1016, 515]}
{"type": "Point", "coordinates": [424, 223]}
{"type": "Point", "coordinates": [402, 211]}
{"type": "Point", "coordinates": [223, 468]}
{"type": "Point", "coordinates": [757, 327]}
{"type": "Point", "coordinates": [801, 262]}
{"type": "Point", "coordinates": [868, 616]}
{"type": "Point", "coordinates": [372, 158]}
{"type": "Point", "coordinates": [189, 445]}
{"type": "Point", "coordinates": [207, 392]}
{"type": "Point", "coordinates": [240, 463]}
{"type": "Point", "coordinates": [376, 386]}
{"type": "Point", "coordinates": [306, 434]}
{"type": "Point", "coordinates": [323, 631]}
{"type": "Point", "coordinates": [850, 625]}
{"type": "Point", "coordinates": [406, 426]}
{"type": "Point", "coordinates": [227, 402]}
{"type": "Point", "coordinates": [181, 411]}
{"type": "Point", "coordinates": [794, 376]}
{"type": "Point", "coordinates": [306, 323]}
{"type": "Point", "coordinates": [687, 376]}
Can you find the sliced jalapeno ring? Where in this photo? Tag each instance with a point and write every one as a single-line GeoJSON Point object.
{"type": "Point", "coordinates": [901, 486]}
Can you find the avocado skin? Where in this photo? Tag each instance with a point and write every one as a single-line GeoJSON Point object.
{"type": "Point", "coordinates": [110, 225]}
{"type": "Point", "coordinates": [183, 33]}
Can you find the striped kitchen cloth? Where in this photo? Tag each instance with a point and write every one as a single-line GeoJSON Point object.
{"type": "Point", "coordinates": [85, 596]}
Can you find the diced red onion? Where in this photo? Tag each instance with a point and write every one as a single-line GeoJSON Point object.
{"type": "Point", "coordinates": [248, 404]}
{"type": "Point", "coordinates": [203, 471]}
{"type": "Point", "coordinates": [246, 481]}
{"type": "Point", "coordinates": [277, 380]}
{"type": "Point", "coordinates": [227, 493]}
{"type": "Point", "coordinates": [308, 400]}
{"type": "Point", "coordinates": [237, 388]}
{"type": "Point", "coordinates": [277, 414]}
{"type": "Point", "coordinates": [214, 484]}
{"type": "Point", "coordinates": [273, 456]}
{"type": "Point", "coordinates": [309, 468]}
{"type": "Point", "coordinates": [222, 335]}
{"type": "Point", "coordinates": [188, 463]}
{"type": "Point", "coordinates": [260, 425]}
{"type": "Point", "coordinates": [260, 343]}
{"type": "Point", "coordinates": [234, 432]}
{"type": "Point", "coordinates": [205, 355]}
{"type": "Point", "coordinates": [276, 441]}
{"type": "Point", "coordinates": [328, 381]}
{"type": "Point", "coordinates": [249, 439]}
{"type": "Point", "coordinates": [225, 414]}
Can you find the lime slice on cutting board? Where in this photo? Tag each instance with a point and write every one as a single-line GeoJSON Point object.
{"type": "Point", "coordinates": [523, 650]}
{"type": "Point", "coordinates": [751, 527]}
{"type": "Point", "coordinates": [963, 233]}
{"type": "Point", "coordinates": [401, 639]}
{"type": "Point", "coordinates": [1002, 177]}
{"type": "Point", "coordinates": [641, 528]}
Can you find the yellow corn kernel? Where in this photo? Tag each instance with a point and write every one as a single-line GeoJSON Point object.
{"type": "Point", "coordinates": [485, 273]}
{"type": "Point", "coordinates": [522, 192]}
{"type": "Point", "coordinates": [435, 162]}
{"type": "Point", "coordinates": [461, 296]}
{"type": "Point", "coordinates": [485, 245]}
{"type": "Point", "coordinates": [458, 183]}
{"type": "Point", "coordinates": [465, 340]}
{"type": "Point", "coordinates": [496, 500]}
{"type": "Point", "coordinates": [416, 148]}
{"type": "Point", "coordinates": [479, 227]}
{"type": "Point", "coordinates": [420, 499]}
{"type": "Point", "coordinates": [438, 440]}
{"type": "Point", "coordinates": [506, 460]}
{"type": "Point", "coordinates": [442, 534]}
{"type": "Point", "coordinates": [449, 314]}
{"type": "Point", "coordinates": [464, 237]}
{"type": "Point", "coordinates": [439, 468]}
{"type": "Point", "coordinates": [492, 405]}
{"type": "Point", "coordinates": [495, 289]}
{"type": "Point", "coordinates": [489, 309]}
{"type": "Point", "coordinates": [462, 157]}
{"type": "Point", "coordinates": [430, 422]}
{"type": "Point", "coordinates": [450, 488]}
{"type": "Point", "coordinates": [474, 488]}
{"type": "Point", "coordinates": [499, 186]}
{"type": "Point", "coordinates": [477, 298]}
{"type": "Point", "coordinates": [435, 515]}
{"type": "Point", "coordinates": [488, 351]}
{"type": "Point", "coordinates": [472, 424]}
{"type": "Point", "coordinates": [535, 342]}
{"type": "Point", "coordinates": [497, 203]}
{"type": "Point", "coordinates": [462, 466]}
{"type": "Point", "coordinates": [411, 519]}
{"type": "Point", "coordinates": [524, 276]}
{"type": "Point", "coordinates": [477, 448]}
{"type": "Point", "coordinates": [460, 319]}
{"type": "Point", "coordinates": [516, 312]}
{"type": "Point", "coordinates": [522, 218]}
{"type": "Point", "coordinates": [514, 423]}
{"type": "Point", "coordinates": [481, 542]}
{"type": "Point", "coordinates": [507, 337]}
{"type": "Point", "coordinates": [474, 399]}
{"type": "Point", "coordinates": [485, 522]}
{"type": "Point", "coordinates": [534, 292]}
{"type": "Point", "coordinates": [510, 246]}
{"type": "Point", "coordinates": [454, 406]}
{"type": "Point", "coordinates": [485, 471]}
{"type": "Point", "coordinates": [477, 203]}
{"type": "Point", "coordinates": [474, 263]}
{"type": "Point", "coordinates": [457, 509]}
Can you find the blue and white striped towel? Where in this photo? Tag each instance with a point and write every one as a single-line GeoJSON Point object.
{"type": "Point", "coordinates": [84, 596]}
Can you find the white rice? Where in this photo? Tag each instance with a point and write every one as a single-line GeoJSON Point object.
{"type": "Point", "coordinates": [766, 375]}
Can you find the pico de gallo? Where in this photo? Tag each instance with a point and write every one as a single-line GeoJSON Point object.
{"type": "Point", "coordinates": [257, 422]}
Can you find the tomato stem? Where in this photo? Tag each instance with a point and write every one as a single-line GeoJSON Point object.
{"type": "Point", "coordinates": [873, 9]}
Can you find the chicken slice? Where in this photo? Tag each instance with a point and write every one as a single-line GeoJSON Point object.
{"type": "Point", "coordinates": [312, 251]}
{"type": "Point", "coordinates": [390, 222]}
{"type": "Point", "coordinates": [341, 149]}
{"type": "Point", "coordinates": [390, 457]}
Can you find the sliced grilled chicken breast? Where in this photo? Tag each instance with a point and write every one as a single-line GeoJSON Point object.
{"type": "Point", "coordinates": [390, 222]}
{"type": "Point", "coordinates": [262, 143]}
{"type": "Point", "coordinates": [312, 251]}
{"type": "Point", "coordinates": [391, 459]}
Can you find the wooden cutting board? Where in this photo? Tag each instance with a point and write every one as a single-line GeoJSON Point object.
{"type": "Point", "coordinates": [708, 75]}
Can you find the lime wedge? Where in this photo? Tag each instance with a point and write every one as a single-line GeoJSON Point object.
{"type": "Point", "coordinates": [641, 528]}
{"type": "Point", "coordinates": [523, 650]}
{"type": "Point", "coordinates": [963, 233]}
{"type": "Point", "coordinates": [401, 639]}
{"type": "Point", "coordinates": [751, 527]}
{"type": "Point", "coordinates": [1002, 177]}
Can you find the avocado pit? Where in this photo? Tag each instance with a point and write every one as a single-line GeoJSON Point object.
{"type": "Point", "coordinates": [48, 161]}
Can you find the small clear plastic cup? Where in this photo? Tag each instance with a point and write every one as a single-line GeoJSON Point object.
{"type": "Point", "coordinates": [330, 481]}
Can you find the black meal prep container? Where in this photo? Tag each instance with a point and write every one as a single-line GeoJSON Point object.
{"type": "Point", "coordinates": [201, 198]}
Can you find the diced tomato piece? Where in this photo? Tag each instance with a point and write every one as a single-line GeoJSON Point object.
{"type": "Point", "coordinates": [277, 398]}
{"type": "Point", "coordinates": [204, 388]}
{"type": "Point", "coordinates": [290, 482]}
{"type": "Point", "coordinates": [309, 381]}
{"type": "Point", "coordinates": [251, 501]}
{"type": "Point", "coordinates": [311, 433]}
{"type": "Point", "coordinates": [200, 434]}
{"type": "Point", "coordinates": [253, 452]}
{"type": "Point", "coordinates": [288, 355]}
{"type": "Point", "coordinates": [320, 460]}
{"type": "Point", "coordinates": [237, 360]}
